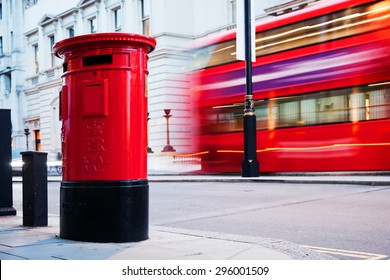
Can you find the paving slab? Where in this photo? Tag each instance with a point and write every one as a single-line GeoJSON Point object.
{"type": "Point", "coordinates": [43, 243]}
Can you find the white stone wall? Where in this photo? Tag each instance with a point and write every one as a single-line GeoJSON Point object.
{"type": "Point", "coordinates": [12, 66]}
{"type": "Point", "coordinates": [169, 89]}
{"type": "Point", "coordinates": [176, 25]}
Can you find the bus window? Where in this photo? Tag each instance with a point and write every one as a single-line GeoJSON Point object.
{"type": "Point", "coordinates": [334, 26]}
{"type": "Point", "coordinates": [349, 22]}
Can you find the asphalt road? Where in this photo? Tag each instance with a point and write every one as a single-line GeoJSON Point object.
{"type": "Point", "coordinates": [345, 221]}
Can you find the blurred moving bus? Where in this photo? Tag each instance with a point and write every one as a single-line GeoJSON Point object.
{"type": "Point", "coordinates": [321, 85]}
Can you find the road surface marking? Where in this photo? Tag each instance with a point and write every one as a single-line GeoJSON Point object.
{"type": "Point", "coordinates": [354, 254]}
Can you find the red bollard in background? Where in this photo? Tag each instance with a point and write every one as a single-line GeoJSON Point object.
{"type": "Point", "coordinates": [104, 192]}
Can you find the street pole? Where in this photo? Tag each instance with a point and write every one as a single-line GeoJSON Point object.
{"type": "Point", "coordinates": [168, 147]}
{"type": "Point", "coordinates": [27, 133]}
{"type": "Point", "coordinates": [250, 165]}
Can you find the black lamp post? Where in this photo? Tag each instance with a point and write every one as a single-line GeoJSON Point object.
{"type": "Point", "coordinates": [168, 147]}
{"type": "Point", "coordinates": [27, 133]}
{"type": "Point", "coordinates": [250, 165]}
{"type": "Point", "coordinates": [150, 151]}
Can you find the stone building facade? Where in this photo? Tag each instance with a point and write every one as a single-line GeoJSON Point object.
{"type": "Point", "coordinates": [30, 74]}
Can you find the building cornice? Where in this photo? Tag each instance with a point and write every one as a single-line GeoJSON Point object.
{"type": "Point", "coordinates": [31, 32]}
{"type": "Point", "coordinates": [47, 19]}
{"type": "Point", "coordinates": [288, 7]}
{"type": "Point", "coordinates": [42, 86]}
{"type": "Point", "coordinates": [85, 3]}
{"type": "Point", "coordinates": [68, 12]}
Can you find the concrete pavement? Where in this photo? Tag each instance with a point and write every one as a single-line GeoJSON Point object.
{"type": "Point", "coordinates": [308, 178]}
{"type": "Point", "coordinates": [43, 243]}
{"type": "Point", "coordinates": [367, 179]}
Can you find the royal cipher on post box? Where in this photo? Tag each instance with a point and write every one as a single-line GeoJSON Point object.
{"type": "Point", "coordinates": [104, 192]}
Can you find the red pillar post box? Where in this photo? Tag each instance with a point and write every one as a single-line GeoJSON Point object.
{"type": "Point", "coordinates": [104, 192]}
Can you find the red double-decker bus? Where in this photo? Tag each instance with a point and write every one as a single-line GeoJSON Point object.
{"type": "Point", "coordinates": [321, 85]}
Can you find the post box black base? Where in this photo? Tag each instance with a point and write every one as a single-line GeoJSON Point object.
{"type": "Point", "coordinates": [104, 211]}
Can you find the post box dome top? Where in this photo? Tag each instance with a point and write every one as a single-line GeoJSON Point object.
{"type": "Point", "coordinates": [103, 40]}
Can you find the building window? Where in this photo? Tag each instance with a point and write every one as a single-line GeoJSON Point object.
{"type": "Point", "coordinates": [117, 16]}
{"type": "Point", "coordinates": [70, 32]}
{"type": "Point", "coordinates": [7, 83]}
{"type": "Point", "coordinates": [29, 3]}
{"type": "Point", "coordinates": [1, 46]}
{"type": "Point", "coordinates": [36, 58]}
{"type": "Point", "coordinates": [233, 11]}
{"type": "Point", "coordinates": [1, 10]}
{"type": "Point", "coordinates": [11, 40]}
{"type": "Point", "coordinates": [92, 25]}
{"type": "Point", "coordinates": [145, 12]}
{"type": "Point", "coordinates": [37, 134]}
{"type": "Point", "coordinates": [51, 44]}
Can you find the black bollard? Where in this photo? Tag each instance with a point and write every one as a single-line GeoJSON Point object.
{"type": "Point", "coordinates": [6, 200]}
{"type": "Point", "coordinates": [34, 189]}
